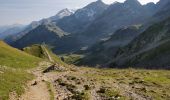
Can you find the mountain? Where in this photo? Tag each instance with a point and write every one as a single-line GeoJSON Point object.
{"type": "Point", "coordinates": [45, 33]}
{"type": "Point", "coordinates": [151, 7]}
{"type": "Point", "coordinates": [119, 15]}
{"type": "Point", "coordinates": [116, 16]}
{"type": "Point", "coordinates": [6, 27]}
{"type": "Point", "coordinates": [52, 35]}
{"type": "Point", "coordinates": [100, 36]}
{"type": "Point", "coordinates": [163, 10]}
{"type": "Point", "coordinates": [82, 17]}
{"type": "Point", "coordinates": [66, 43]}
{"type": "Point", "coordinates": [11, 31]}
{"type": "Point", "coordinates": [149, 50]}
{"type": "Point", "coordinates": [112, 18]}
{"type": "Point", "coordinates": [106, 49]}
{"type": "Point", "coordinates": [6, 31]}
{"type": "Point", "coordinates": [61, 14]}
{"type": "Point", "coordinates": [96, 16]}
{"type": "Point", "coordinates": [3, 28]}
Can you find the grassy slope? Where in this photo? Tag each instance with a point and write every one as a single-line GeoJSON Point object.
{"type": "Point", "coordinates": [12, 80]}
{"type": "Point", "coordinates": [13, 65]}
{"type": "Point", "coordinates": [158, 56]}
{"type": "Point", "coordinates": [34, 50]}
{"type": "Point", "coordinates": [41, 52]}
{"type": "Point", "coordinates": [14, 58]}
{"type": "Point", "coordinates": [54, 56]}
{"type": "Point", "coordinates": [72, 58]}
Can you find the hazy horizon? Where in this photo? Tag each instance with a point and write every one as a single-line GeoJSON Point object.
{"type": "Point", "coordinates": [26, 11]}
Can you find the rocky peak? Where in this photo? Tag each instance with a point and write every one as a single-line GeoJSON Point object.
{"type": "Point", "coordinates": [64, 12]}
{"type": "Point", "coordinates": [162, 3]}
{"type": "Point", "coordinates": [98, 3]}
{"type": "Point", "coordinates": [91, 10]}
{"type": "Point", "coordinates": [133, 2]}
{"type": "Point", "coordinates": [151, 7]}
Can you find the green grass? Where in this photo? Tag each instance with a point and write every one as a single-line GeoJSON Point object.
{"type": "Point", "coordinates": [13, 66]}
{"type": "Point", "coordinates": [15, 58]}
{"type": "Point", "coordinates": [84, 95]}
{"type": "Point", "coordinates": [72, 58]}
{"type": "Point", "coordinates": [110, 93]}
{"type": "Point", "coordinates": [54, 56]}
{"type": "Point", "coordinates": [35, 50]}
{"type": "Point", "coordinates": [40, 51]}
{"type": "Point", "coordinates": [12, 80]}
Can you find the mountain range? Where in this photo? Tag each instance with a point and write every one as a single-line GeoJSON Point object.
{"type": "Point", "coordinates": [6, 31]}
{"type": "Point", "coordinates": [121, 34]}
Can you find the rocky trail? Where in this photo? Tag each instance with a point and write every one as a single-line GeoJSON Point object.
{"type": "Point", "coordinates": [81, 83]}
{"type": "Point", "coordinates": [37, 89]}
{"type": "Point", "coordinates": [68, 85]}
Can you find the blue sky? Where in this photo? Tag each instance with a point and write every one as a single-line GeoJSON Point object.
{"type": "Point", "coordinates": [25, 11]}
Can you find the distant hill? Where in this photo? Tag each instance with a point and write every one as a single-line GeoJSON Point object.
{"type": "Point", "coordinates": [47, 33]}
{"type": "Point", "coordinates": [7, 31]}
{"type": "Point", "coordinates": [61, 14]}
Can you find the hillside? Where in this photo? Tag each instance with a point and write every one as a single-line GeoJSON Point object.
{"type": "Point", "coordinates": [119, 15]}
{"type": "Point", "coordinates": [149, 50]}
{"type": "Point", "coordinates": [13, 65]}
{"type": "Point", "coordinates": [46, 33]}
{"type": "Point", "coordinates": [105, 50]}
{"type": "Point", "coordinates": [163, 10]}
{"type": "Point", "coordinates": [78, 82]}
{"type": "Point", "coordinates": [15, 58]}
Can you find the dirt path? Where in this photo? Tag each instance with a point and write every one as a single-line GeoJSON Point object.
{"type": "Point", "coordinates": [37, 89]}
{"type": "Point", "coordinates": [37, 92]}
{"type": "Point", "coordinates": [47, 53]}
{"type": "Point", "coordinates": [59, 92]}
